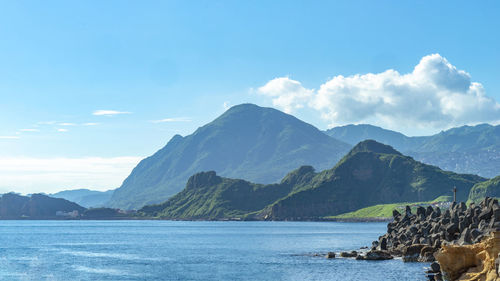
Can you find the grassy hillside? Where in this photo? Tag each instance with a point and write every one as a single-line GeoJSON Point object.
{"type": "Point", "coordinates": [370, 174]}
{"type": "Point", "coordinates": [385, 210]}
{"type": "Point", "coordinates": [490, 188]}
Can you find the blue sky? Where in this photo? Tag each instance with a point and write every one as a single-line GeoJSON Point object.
{"type": "Point", "coordinates": [182, 61]}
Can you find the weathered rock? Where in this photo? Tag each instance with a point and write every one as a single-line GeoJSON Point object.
{"type": "Point", "coordinates": [412, 253]}
{"type": "Point", "coordinates": [435, 267]}
{"type": "Point", "coordinates": [330, 255]}
{"type": "Point", "coordinates": [351, 254]}
{"type": "Point", "coordinates": [427, 254]}
{"type": "Point", "coordinates": [375, 255]}
{"type": "Point", "coordinates": [471, 262]}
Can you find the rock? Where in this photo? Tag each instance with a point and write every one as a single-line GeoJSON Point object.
{"type": "Point", "coordinates": [383, 244]}
{"type": "Point", "coordinates": [351, 254]}
{"type": "Point", "coordinates": [395, 214]}
{"type": "Point", "coordinates": [330, 255]}
{"type": "Point", "coordinates": [465, 237]}
{"type": "Point", "coordinates": [485, 215]}
{"type": "Point", "coordinates": [452, 228]}
{"type": "Point", "coordinates": [435, 267]}
{"type": "Point", "coordinates": [408, 211]}
{"type": "Point", "coordinates": [375, 255]}
{"type": "Point", "coordinates": [471, 262]}
{"type": "Point", "coordinates": [427, 254]}
{"type": "Point", "coordinates": [412, 253]}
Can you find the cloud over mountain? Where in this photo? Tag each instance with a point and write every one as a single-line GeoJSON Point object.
{"type": "Point", "coordinates": [435, 94]}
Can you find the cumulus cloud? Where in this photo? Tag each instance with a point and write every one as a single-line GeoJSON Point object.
{"type": "Point", "coordinates": [27, 175]}
{"type": "Point", "coordinates": [175, 119]}
{"type": "Point", "coordinates": [109, 112]}
{"type": "Point", "coordinates": [286, 93]}
{"type": "Point", "coordinates": [435, 94]}
{"type": "Point", "coordinates": [62, 130]}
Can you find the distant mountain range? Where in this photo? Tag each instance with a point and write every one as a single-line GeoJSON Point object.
{"type": "Point", "coordinates": [42, 207]}
{"type": "Point", "coordinates": [85, 197]}
{"type": "Point", "coordinates": [371, 173]}
{"type": "Point", "coordinates": [262, 145]}
{"type": "Point", "coordinates": [490, 188]}
{"type": "Point", "coordinates": [36, 206]}
{"type": "Point", "coordinates": [466, 149]}
{"type": "Point", "coordinates": [247, 141]}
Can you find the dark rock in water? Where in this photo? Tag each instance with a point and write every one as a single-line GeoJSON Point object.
{"type": "Point", "coordinates": [351, 254]}
{"type": "Point", "coordinates": [383, 244]}
{"type": "Point", "coordinates": [330, 255]}
{"type": "Point", "coordinates": [375, 255]}
{"type": "Point", "coordinates": [427, 254]}
{"type": "Point", "coordinates": [412, 253]}
{"type": "Point", "coordinates": [435, 267]}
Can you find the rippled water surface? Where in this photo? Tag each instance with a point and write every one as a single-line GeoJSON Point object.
{"type": "Point", "coordinates": [168, 250]}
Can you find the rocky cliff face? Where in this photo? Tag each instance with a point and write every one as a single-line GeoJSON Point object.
{"type": "Point", "coordinates": [471, 262]}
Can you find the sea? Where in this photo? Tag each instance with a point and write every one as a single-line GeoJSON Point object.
{"type": "Point", "coordinates": [192, 250]}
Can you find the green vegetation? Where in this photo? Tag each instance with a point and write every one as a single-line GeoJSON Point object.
{"type": "Point", "coordinates": [36, 206]}
{"type": "Point", "coordinates": [490, 188]}
{"type": "Point", "coordinates": [370, 174]}
{"type": "Point", "coordinates": [385, 210]}
{"type": "Point", "coordinates": [470, 149]}
{"type": "Point", "coordinates": [247, 141]}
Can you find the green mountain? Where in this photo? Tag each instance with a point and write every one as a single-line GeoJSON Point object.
{"type": "Point", "coordinates": [247, 141]}
{"type": "Point", "coordinates": [36, 206]}
{"type": "Point", "coordinates": [466, 149]}
{"type": "Point", "coordinates": [370, 174]}
{"type": "Point", "coordinates": [85, 197]}
{"type": "Point", "coordinates": [490, 188]}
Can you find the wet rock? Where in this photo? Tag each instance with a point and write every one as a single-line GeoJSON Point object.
{"type": "Point", "coordinates": [351, 254]}
{"type": "Point", "coordinates": [375, 255]}
{"type": "Point", "coordinates": [330, 255]}
{"type": "Point", "coordinates": [412, 253]}
{"type": "Point", "coordinates": [435, 267]}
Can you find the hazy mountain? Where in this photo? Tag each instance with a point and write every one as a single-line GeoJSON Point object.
{"type": "Point", "coordinates": [36, 206]}
{"type": "Point", "coordinates": [85, 197]}
{"type": "Point", "coordinates": [466, 149]}
{"type": "Point", "coordinates": [490, 188]}
{"type": "Point", "coordinates": [371, 173]}
{"type": "Point", "coordinates": [247, 141]}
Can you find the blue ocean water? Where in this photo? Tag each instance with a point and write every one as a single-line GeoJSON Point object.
{"type": "Point", "coordinates": [178, 250]}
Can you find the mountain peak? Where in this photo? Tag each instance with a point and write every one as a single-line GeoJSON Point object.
{"type": "Point", "coordinates": [203, 179]}
{"type": "Point", "coordinates": [373, 146]}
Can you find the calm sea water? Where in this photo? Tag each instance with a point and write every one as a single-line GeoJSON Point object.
{"type": "Point", "coordinates": [168, 250]}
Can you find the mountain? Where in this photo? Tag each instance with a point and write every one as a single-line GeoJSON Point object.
{"type": "Point", "coordinates": [36, 206]}
{"type": "Point", "coordinates": [371, 173]}
{"type": "Point", "coordinates": [490, 188]}
{"type": "Point", "coordinates": [354, 134]}
{"type": "Point", "coordinates": [250, 142]}
{"type": "Point", "coordinates": [85, 197]}
{"type": "Point", "coordinates": [466, 149]}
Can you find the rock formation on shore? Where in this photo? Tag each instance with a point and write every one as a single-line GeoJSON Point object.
{"type": "Point", "coordinates": [471, 262]}
{"type": "Point", "coordinates": [417, 237]}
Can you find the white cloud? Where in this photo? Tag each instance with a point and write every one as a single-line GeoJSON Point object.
{"type": "Point", "coordinates": [62, 130]}
{"type": "Point", "coordinates": [286, 93]}
{"type": "Point", "coordinates": [29, 130]}
{"type": "Point", "coordinates": [109, 112]}
{"type": "Point", "coordinates": [226, 105]}
{"type": "Point", "coordinates": [434, 95]}
{"type": "Point", "coordinates": [9, 137]}
{"type": "Point", "coordinates": [28, 175]}
{"type": "Point", "coordinates": [66, 124]}
{"type": "Point", "coordinates": [90, 124]}
{"type": "Point", "coordinates": [175, 119]}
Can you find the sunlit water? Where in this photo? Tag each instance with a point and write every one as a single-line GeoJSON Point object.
{"type": "Point", "coordinates": [173, 250]}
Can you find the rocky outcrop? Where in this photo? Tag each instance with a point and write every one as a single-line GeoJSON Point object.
{"type": "Point", "coordinates": [471, 262]}
{"type": "Point", "coordinates": [375, 255]}
{"type": "Point", "coordinates": [416, 237]}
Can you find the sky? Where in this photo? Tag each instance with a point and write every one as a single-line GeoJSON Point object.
{"type": "Point", "coordinates": [88, 88]}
